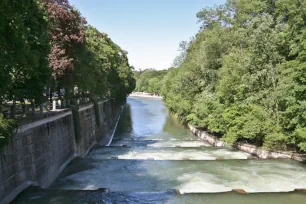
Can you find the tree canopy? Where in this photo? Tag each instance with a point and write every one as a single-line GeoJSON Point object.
{"type": "Point", "coordinates": [47, 46]}
{"type": "Point", "coordinates": [243, 75]}
{"type": "Point", "coordinates": [150, 80]}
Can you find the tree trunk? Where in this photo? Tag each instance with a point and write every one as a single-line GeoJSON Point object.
{"type": "Point", "coordinates": [41, 108]}
{"type": "Point", "coordinates": [1, 104]}
{"type": "Point", "coordinates": [59, 93]}
{"type": "Point", "coordinates": [274, 75]}
{"type": "Point", "coordinates": [33, 107]}
{"type": "Point", "coordinates": [68, 96]}
{"type": "Point", "coordinates": [24, 111]}
{"type": "Point", "coordinates": [13, 109]}
{"type": "Point", "coordinates": [50, 97]}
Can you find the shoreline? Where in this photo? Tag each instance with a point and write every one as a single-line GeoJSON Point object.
{"type": "Point", "coordinates": [248, 148]}
{"type": "Point", "coordinates": [145, 95]}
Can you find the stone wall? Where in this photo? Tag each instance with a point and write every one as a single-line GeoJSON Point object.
{"type": "Point", "coordinates": [251, 149]}
{"type": "Point", "coordinates": [93, 133]}
{"type": "Point", "coordinates": [41, 150]}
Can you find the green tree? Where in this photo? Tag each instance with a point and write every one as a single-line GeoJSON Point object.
{"type": "Point", "coordinates": [150, 80]}
{"type": "Point", "coordinates": [243, 75]}
{"type": "Point", "coordinates": [24, 48]}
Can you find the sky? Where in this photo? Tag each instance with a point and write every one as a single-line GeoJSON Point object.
{"type": "Point", "coordinates": [149, 30]}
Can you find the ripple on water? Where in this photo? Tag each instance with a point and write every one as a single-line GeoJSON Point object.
{"type": "Point", "coordinates": [189, 176]}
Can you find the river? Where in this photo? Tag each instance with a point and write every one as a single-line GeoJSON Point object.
{"type": "Point", "coordinates": [155, 159]}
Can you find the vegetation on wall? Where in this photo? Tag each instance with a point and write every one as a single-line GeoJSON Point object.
{"type": "Point", "coordinates": [7, 128]}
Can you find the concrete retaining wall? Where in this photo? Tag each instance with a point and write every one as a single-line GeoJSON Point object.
{"type": "Point", "coordinates": [41, 150]}
{"type": "Point", "coordinates": [251, 149]}
{"type": "Point", "coordinates": [93, 133]}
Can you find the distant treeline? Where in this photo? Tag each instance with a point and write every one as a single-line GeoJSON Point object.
{"type": "Point", "coordinates": [150, 80]}
{"type": "Point", "coordinates": [243, 76]}
{"type": "Point", "coordinates": [47, 46]}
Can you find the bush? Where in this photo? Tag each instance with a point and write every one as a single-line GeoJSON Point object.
{"type": "Point", "coordinates": [7, 128]}
{"type": "Point", "coordinates": [299, 138]}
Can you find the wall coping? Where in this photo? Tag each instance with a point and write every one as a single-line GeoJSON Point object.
{"type": "Point", "coordinates": [37, 123]}
{"type": "Point", "coordinates": [85, 107]}
{"type": "Point", "coordinates": [90, 106]}
{"type": "Point", "coordinates": [103, 101]}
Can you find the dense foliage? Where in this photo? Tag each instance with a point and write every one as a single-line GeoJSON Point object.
{"type": "Point", "coordinates": [7, 128]}
{"type": "Point", "coordinates": [150, 80]}
{"type": "Point", "coordinates": [24, 46]}
{"type": "Point", "coordinates": [47, 46]}
{"type": "Point", "coordinates": [243, 77]}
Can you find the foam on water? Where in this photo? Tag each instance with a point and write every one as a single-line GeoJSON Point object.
{"type": "Point", "coordinates": [188, 176]}
{"type": "Point", "coordinates": [227, 154]}
{"type": "Point", "coordinates": [180, 144]}
{"type": "Point", "coordinates": [161, 143]}
{"type": "Point", "coordinates": [203, 153]}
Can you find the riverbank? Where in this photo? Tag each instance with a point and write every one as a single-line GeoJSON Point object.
{"type": "Point", "coordinates": [248, 148]}
{"type": "Point", "coordinates": [144, 94]}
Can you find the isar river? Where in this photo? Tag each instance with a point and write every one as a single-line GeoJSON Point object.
{"type": "Point", "coordinates": [155, 159]}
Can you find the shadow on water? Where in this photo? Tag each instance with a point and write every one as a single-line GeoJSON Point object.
{"type": "Point", "coordinates": [173, 127]}
{"type": "Point", "coordinates": [125, 124]}
{"type": "Point", "coordinates": [44, 196]}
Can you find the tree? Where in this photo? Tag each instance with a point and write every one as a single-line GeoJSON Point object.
{"type": "Point", "coordinates": [67, 28]}
{"type": "Point", "coordinates": [150, 80]}
{"type": "Point", "coordinates": [243, 77]}
{"type": "Point", "coordinates": [24, 47]}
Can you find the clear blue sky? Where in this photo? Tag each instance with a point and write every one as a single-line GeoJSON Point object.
{"type": "Point", "coordinates": [150, 30]}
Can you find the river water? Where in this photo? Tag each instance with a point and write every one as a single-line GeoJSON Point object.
{"type": "Point", "coordinates": [152, 153]}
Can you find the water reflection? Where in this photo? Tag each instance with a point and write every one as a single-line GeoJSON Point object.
{"type": "Point", "coordinates": [149, 119]}
{"type": "Point", "coordinates": [125, 124]}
